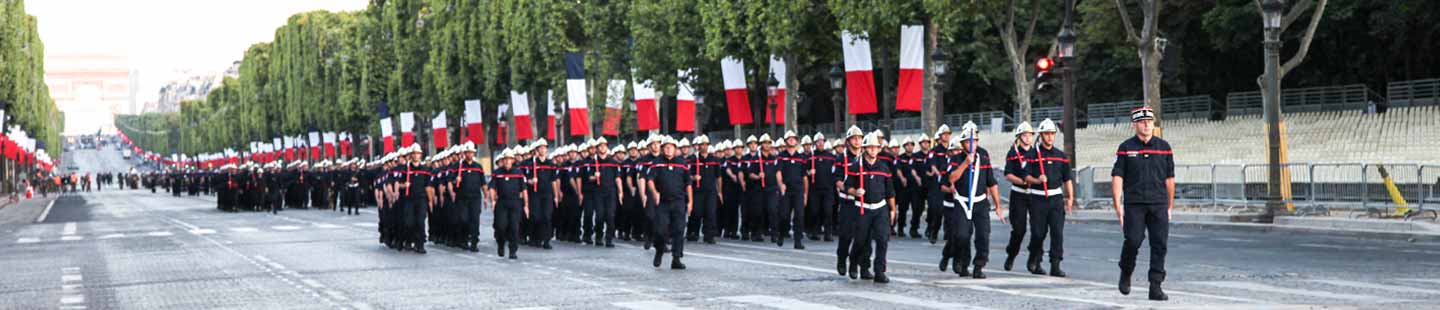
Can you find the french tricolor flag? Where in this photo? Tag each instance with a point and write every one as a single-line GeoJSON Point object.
{"type": "Point", "coordinates": [685, 103]}
{"type": "Point", "coordinates": [575, 94]}
{"type": "Point", "coordinates": [438, 130]}
{"type": "Point", "coordinates": [777, 67]}
{"type": "Point", "coordinates": [859, 73]}
{"type": "Point", "coordinates": [387, 136]}
{"type": "Point", "coordinates": [737, 100]}
{"type": "Point", "coordinates": [614, 102]}
{"type": "Point", "coordinates": [315, 144]}
{"type": "Point", "coordinates": [329, 138]}
{"type": "Point", "coordinates": [474, 129]}
{"type": "Point", "coordinates": [523, 126]}
{"type": "Point", "coordinates": [407, 128]}
{"type": "Point", "coordinates": [912, 68]}
{"type": "Point", "coordinates": [647, 114]}
{"type": "Point", "coordinates": [550, 115]}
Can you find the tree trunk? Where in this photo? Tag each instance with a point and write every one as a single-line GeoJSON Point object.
{"type": "Point", "coordinates": [933, 111]}
{"type": "Point", "coordinates": [792, 95]}
{"type": "Point", "coordinates": [1150, 79]}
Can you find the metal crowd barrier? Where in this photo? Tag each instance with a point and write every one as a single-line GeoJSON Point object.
{"type": "Point", "coordinates": [1328, 185]}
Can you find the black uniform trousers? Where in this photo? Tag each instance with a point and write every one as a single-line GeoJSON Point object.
{"type": "Point", "coordinates": [918, 204]}
{"type": "Point", "coordinates": [872, 234]}
{"type": "Point", "coordinates": [1047, 220]}
{"type": "Point", "coordinates": [936, 218]}
{"type": "Point", "coordinates": [961, 230]}
{"type": "Point", "coordinates": [542, 211]}
{"type": "Point", "coordinates": [847, 218]}
{"type": "Point", "coordinates": [771, 200]}
{"type": "Point", "coordinates": [470, 218]}
{"type": "Point", "coordinates": [753, 212]}
{"type": "Point", "coordinates": [417, 211]}
{"type": "Point", "coordinates": [1019, 221]}
{"type": "Point", "coordinates": [703, 220]}
{"type": "Point", "coordinates": [903, 203]}
{"type": "Point", "coordinates": [822, 206]}
{"type": "Point", "coordinates": [729, 213]}
{"type": "Point", "coordinates": [1140, 219]}
{"type": "Point", "coordinates": [670, 227]}
{"type": "Point", "coordinates": [792, 212]}
{"type": "Point", "coordinates": [599, 216]}
{"type": "Point", "coordinates": [508, 213]}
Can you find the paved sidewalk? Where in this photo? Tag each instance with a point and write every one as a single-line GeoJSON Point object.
{"type": "Point", "coordinates": [25, 212]}
{"type": "Point", "coordinates": [1397, 229]}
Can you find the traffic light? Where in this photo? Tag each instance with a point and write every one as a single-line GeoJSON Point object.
{"type": "Point", "coordinates": [1042, 75]}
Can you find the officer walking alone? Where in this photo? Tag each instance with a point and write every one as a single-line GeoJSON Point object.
{"type": "Point", "coordinates": [670, 180]}
{"type": "Point", "coordinates": [1144, 177]}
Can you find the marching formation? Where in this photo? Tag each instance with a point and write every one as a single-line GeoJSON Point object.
{"type": "Point", "coordinates": [858, 191]}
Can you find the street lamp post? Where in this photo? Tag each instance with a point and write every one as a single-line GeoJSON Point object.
{"type": "Point", "coordinates": [1272, 11]}
{"type": "Point", "coordinates": [940, 63]}
{"type": "Point", "coordinates": [837, 83]}
{"type": "Point", "coordinates": [772, 90]}
{"type": "Point", "coordinates": [1066, 40]}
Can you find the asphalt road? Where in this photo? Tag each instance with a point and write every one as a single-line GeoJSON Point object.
{"type": "Point", "coordinates": [137, 250]}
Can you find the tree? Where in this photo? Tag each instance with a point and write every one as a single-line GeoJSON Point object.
{"type": "Point", "coordinates": [1149, 46]}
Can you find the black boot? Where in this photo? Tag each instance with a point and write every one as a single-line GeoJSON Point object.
{"type": "Point", "coordinates": [840, 265]}
{"type": "Point", "coordinates": [1034, 266]}
{"type": "Point", "coordinates": [420, 248]}
{"type": "Point", "coordinates": [865, 274]}
{"type": "Point", "coordinates": [546, 245]}
{"type": "Point", "coordinates": [915, 232]}
{"type": "Point", "coordinates": [1055, 269]}
{"type": "Point", "coordinates": [659, 255]}
{"type": "Point", "coordinates": [512, 254]}
{"type": "Point", "coordinates": [962, 270]}
{"type": "Point", "coordinates": [854, 271]}
{"type": "Point", "coordinates": [675, 264]}
{"type": "Point", "coordinates": [881, 278]}
{"type": "Point", "coordinates": [1156, 293]}
{"type": "Point", "coordinates": [944, 262]}
{"type": "Point", "coordinates": [1125, 281]}
{"type": "Point", "coordinates": [500, 249]}
{"type": "Point", "coordinates": [1009, 262]}
{"type": "Point", "coordinates": [977, 273]}
{"type": "Point", "coordinates": [798, 245]}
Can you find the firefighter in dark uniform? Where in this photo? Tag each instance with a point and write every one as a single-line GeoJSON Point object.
{"type": "Point", "coordinates": [847, 212]}
{"type": "Point", "coordinates": [752, 206]}
{"type": "Point", "coordinates": [350, 197]}
{"type": "Point", "coordinates": [794, 166]}
{"type": "Point", "coordinates": [1144, 177]}
{"type": "Point", "coordinates": [544, 192]}
{"type": "Point", "coordinates": [730, 197]}
{"type": "Point", "coordinates": [1049, 176]}
{"type": "Point", "coordinates": [1019, 197]}
{"type": "Point", "coordinates": [938, 160]}
{"type": "Point", "coordinates": [767, 175]}
{"type": "Point", "coordinates": [507, 191]}
{"type": "Point", "coordinates": [903, 170]}
{"type": "Point", "coordinates": [438, 193]}
{"type": "Point", "coordinates": [868, 180]}
{"type": "Point", "coordinates": [670, 180]}
{"type": "Point", "coordinates": [412, 191]}
{"type": "Point", "coordinates": [822, 189]}
{"type": "Point", "coordinates": [707, 190]}
{"type": "Point", "coordinates": [973, 185]}
{"type": "Point", "coordinates": [469, 184]}
{"type": "Point", "coordinates": [606, 177]}
{"type": "Point", "coordinates": [567, 215]}
{"type": "Point", "coordinates": [275, 191]}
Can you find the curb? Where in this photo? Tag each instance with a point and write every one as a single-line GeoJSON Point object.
{"type": "Point", "coordinates": [1267, 228]}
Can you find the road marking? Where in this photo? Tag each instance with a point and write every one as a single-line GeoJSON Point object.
{"type": "Point", "coordinates": [1006, 281]}
{"type": "Point", "coordinates": [822, 270]}
{"type": "Point", "coordinates": [366, 224]}
{"type": "Point", "coordinates": [245, 229]}
{"type": "Point", "coordinates": [1043, 296]}
{"type": "Point", "coordinates": [112, 236]}
{"type": "Point", "coordinates": [1435, 281]}
{"type": "Point", "coordinates": [1324, 246]}
{"type": "Point", "coordinates": [533, 308]}
{"type": "Point", "coordinates": [159, 233]}
{"type": "Point", "coordinates": [1272, 289]}
{"type": "Point", "coordinates": [906, 300]}
{"type": "Point", "coordinates": [202, 231]}
{"type": "Point", "coordinates": [650, 305]}
{"type": "Point", "coordinates": [1383, 287]}
{"type": "Point", "coordinates": [70, 228]}
{"type": "Point", "coordinates": [72, 238]}
{"type": "Point", "coordinates": [285, 227]}
{"type": "Point", "coordinates": [27, 240]}
{"type": "Point", "coordinates": [45, 213]}
{"type": "Point", "coordinates": [1175, 235]}
{"type": "Point", "coordinates": [326, 225]}
{"type": "Point", "coordinates": [71, 284]}
{"type": "Point", "coordinates": [1234, 240]}
{"type": "Point", "coordinates": [780, 302]}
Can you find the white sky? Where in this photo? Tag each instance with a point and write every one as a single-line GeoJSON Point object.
{"type": "Point", "coordinates": [163, 37]}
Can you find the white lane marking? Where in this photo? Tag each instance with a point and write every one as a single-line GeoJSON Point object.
{"type": "Point", "coordinates": [71, 284]}
{"type": "Point", "coordinates": [70, 228]}
{"type": "Point", "coordinates": [650, 305]}
{"type": "Point", "coordinates": [1175, 235]}
{"type": "Point", "coordinates": [533, 308]}
{"type": "Point", "coordinates": [751, 261]}
{"type": "Point", "coordinates": [202, 231]}
{"type": "Point", "coordinates": [326, 225]}
{"type": "Point", "coordinates": [780, 302]}
{"type": "Point", "coordinates": [1435, 281]}
{"type": "Point", "coordinates": [1043, 296]}
{"type": "Point", "coordinates": [113, 236]}
{"type": "Point", "coordinates": [1006, 281]}
{"type": "Point", "coordinates": [27, 240]}
{"type": "Point", "coordinates": [72, 238]}
{"type": "Point", "coordinates": [366, 224]}
{"type": "Point", "coordinates": [72, 299]}
{"type": "Point", "coordinates": [285, 227]}
{"type": "Point", "coordinates": [1383, 287]}
{"type": "Point", "coordinates": [906, 300]}
{"type": "Point", "coordinates": [245, 229]}
{"type": "Point", "coordinates": [1273, 289]}
{"type": "Point", "coordinates": [71, 278]}
{"type": "Point", "coordinates": [1234, 240]}
{"type": "Point", "coordinates": [1324, 246]}
{"type": "Point", "coordinates": [159, 233]}
{"type": "Point", "coordinates": [188, 226]}
{"type": "Point", "coordinates": [45, 213]}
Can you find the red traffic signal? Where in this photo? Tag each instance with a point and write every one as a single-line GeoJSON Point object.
{"type": "Point", "coordinates": [1044, 64]}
